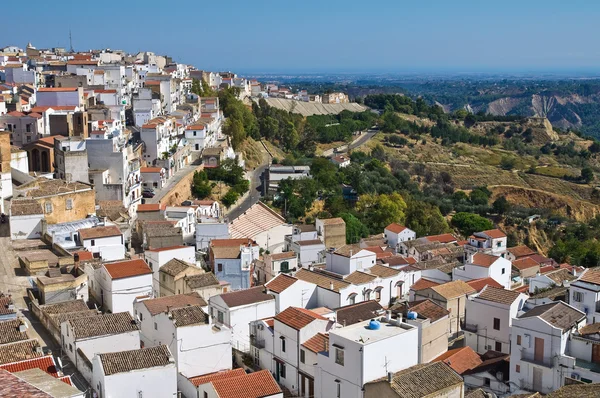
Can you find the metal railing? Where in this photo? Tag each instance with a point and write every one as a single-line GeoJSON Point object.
{"type": "Point", "coordinates": [258, 343]}
{"type": "Point", "coordinates": [531, 358]}
{"type": "Point", "coordinates": [470, 327]}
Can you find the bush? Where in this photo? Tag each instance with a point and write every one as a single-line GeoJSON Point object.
{"type": "Point", "coordinates": [467, 223]}
{"type": "Point", "coordinates": [230, 198]}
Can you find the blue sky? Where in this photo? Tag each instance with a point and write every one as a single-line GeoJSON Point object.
{"type": "Point", "coordinates": [325, 35]}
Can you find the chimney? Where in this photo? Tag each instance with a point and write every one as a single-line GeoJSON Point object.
{"type": "Point", "coordinates": [389, 377]}
{"type": "Point", "coordinates": [330, 285]}
{"type": "Point", "coordinates": [388, 316]}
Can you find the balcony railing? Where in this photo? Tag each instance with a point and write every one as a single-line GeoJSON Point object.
{"type": "Point", "coordinates": [531, 358]}
{"type": "Point", "coordinates": [591, 366]}
{"type": "Point", "coordinates": [258, 343]}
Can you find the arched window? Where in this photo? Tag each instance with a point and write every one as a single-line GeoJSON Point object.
{"type": "Point", "coordinates": [378, 293]}
{"type": "Point", "coordinates": [367, 295]}
{"type": "Point", "coordinates": [285, 266]}
{"type": "Point", "coordinates": [352, 298]}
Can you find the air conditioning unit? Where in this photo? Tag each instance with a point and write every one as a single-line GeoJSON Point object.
{"type": "Point", "coordinates": [575, 376]}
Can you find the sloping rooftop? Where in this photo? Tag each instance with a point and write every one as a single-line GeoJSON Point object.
{"type": "Point", "coordinates": [494, 233]}
{"type": "Point", "coordinates": [13, 386]}
{"type": "Point", "coordinates": [64, 307]}
{"type": "Point", "coordinates": [332, 221]}
{"type": "Point", "coordinates": [424, 380]}
{"type": "Point", "coordinates": [247, 296]}
{"type": "Point", "coordinates": [19, 351]}
{"type": "Point", "coordinates": [208, 378]}
{"type": "Point", "coordinates": [163, 304]}
{"type": "Point", "coordinates": [423, 283]}
{"type": "Point", "coordinates": [453, 289]}
{"type": "Point", "coordinates": [258, 218]}
{"type": "Point", "coordinates": [254, 385]}
{"type": "Point", "coordinates": [576, 391]}
{"type": "Point", "coordinates": [280, 283]}
{"type": "Point", "coordinates": [25, 207]}
{"type": "Point", "coordinates": [592, 328]}
{"type": "Point", "coordinates": [283, 256]}
{"type": "Point", "coordinates": [297, 318]}
{"type": "Point", "coordinates": [229, 248]}
{"type": "Point", "coordinates": [558, 314]}
{"type": "Point", "coordinates": [358, 278]}
{"type": "Point", "coordinates": [318, 343]}
{"type": "Point", "coordinates": [395, 228]}
{"type": "Point", "coordinates": [382, 271]}
{"type": "Point", "coordinates": [56, 387]}
{"type": "Point", "coordinates": [498, 295]}
{"type": "Point", "coordinates": [127, 361]}
{"type": "Point", "coordinates": [99, 232]}
{"type": "Point", "coordinates": [199, 281]}
{"type": "Point", "coordinates": [460, 359]}
{"type": "Point", "coordinates": [102, 325]}
{"type": "Point", "coordinates": [127, 269]}
{"type": "Point", "coordinates": [483, 259]}
{"type": "Point", "coordinates": [354, 313]}
{"type": "Point", "coordinates": [560, 276]}
{"type": "Point", "coordinates": [521, 251]}
{"type": "Point", "coordinates": [9, 331]}
{"type": "Point", "coordinates": [43, 187]}
{"type": "Point", "coordinates": [479, 284]}
{"type": "Point", "coordinates": [524, 263]}
{"type": "Point", "coordinates": [443, 238]}
{"type": "Point", "coordinates": [175, 266]}
{"type": "Point", "coordinates": [321, 280]}
{"type": "Point", "coordinates": [45, 363]}
{"type": "Point", "coordinates": [425, 309]}
{"type": "Point", "coordinates": [190, 315]}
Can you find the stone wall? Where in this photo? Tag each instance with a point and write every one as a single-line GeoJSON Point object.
{"type": "Point", "coordinates": [181, 191]}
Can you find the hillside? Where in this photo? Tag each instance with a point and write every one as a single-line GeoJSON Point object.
{"type": "Point", "coordinates": [312, 108]}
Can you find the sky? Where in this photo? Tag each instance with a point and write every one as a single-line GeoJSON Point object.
{"type": "Point", "coordinates": [325, 36]}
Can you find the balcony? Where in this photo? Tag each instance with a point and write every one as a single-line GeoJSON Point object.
{"type": "Point", "coordinates": [469, 327]}
{"type": "Point", "coordinates": [256, 342]}
{"type": "Point", "coordinates": [591, 366]}
{"type": "Point", "coordinates": [531, 358]}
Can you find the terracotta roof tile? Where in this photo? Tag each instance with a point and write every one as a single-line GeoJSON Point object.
{"type": "Point", "coordinates": [103, 325]}
{"type": "Point", "coordinates": [383, 272]}
{"type": "Point", "coordinates": [525, 263]}
{"type": "Point", "coordinates": [56, 89]}
{"type": "Point", "coordinates": [247, 296]}
{"type": "Point", "coordinates": [163, 304]}
{"type": "Point", "coordinates": [592, 328]}
{"type": "Point", "coordinates": [127, 361]}
{"type": "Point", "coordinates": [254, 385]}
{"type": "Point", "coordinates": [484, 260]}
{"type": "Point", "coordinates": [9, 331]}
{"type": "Point", "coordinates": [591, 276]}
{"type": "Point", "coordinates": [453, 289]}
{"type": "Point", "coordinates": [354, 313]}
{"type": "Point", "coordinates": [460, 359]}
{"type": "Point", "coordinates": [358, 278]}
{"type": "Point", "coordinates": [424, 380]}
{"type": "Point", "coordinates": [175, 266]}
{"type": "Point", "coordinates": [164, 249]}
{"type": "Point", "coordinates": [201, 280]}
{"type": "Point", "coordinates": [127, 269]}
{"type": "Point", "coordinates": [423, 283]}
{"type": "Point", "coordinates": [479, 284]}
{"type": "Point", "coordinates": [443, 238]}
{"type": "Point", "coordinates": [19, 351]}
{"type": "Point", "coordinates": [45, 363]}
{"type": "Point", "coordinates": [498, 295]}
{"type": "Point", "coordinates": [280, 283]}
{"type": "Point", "coordinates": [12, 386]}
{"type": "Point", "coordinates": [148, 207]}
{"type": "Point", "coordinates": [395, 228]}
{"type": "Point", "coordinates": [150, 170]}
{"type": "Point", "coordinates": [208, 378]}
{"type": "Point", "coordinates": [318, 343]}
{"type": "Point", "coordinates": [190, 315]}
{"type": "Point", "coordinates": [558, 314]}
{"type": "Point", "coordinates": [297, 318]}
{"type": "Point", "coordinates": [283, 256]}
{"type": "Point", "coordinates": [99, 232]}
{"type": "Point", "coordinates": [494, 233]}
{"type": "Point", "coordinates": [324, 281]}
{"type": "Point", "coordinates": [424, 308]}
{"type": "Point", "coordinates": [521, 251]}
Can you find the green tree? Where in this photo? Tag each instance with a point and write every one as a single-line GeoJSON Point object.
{"type": "Point", "coordinates": [230, 198]}
{"type": "Point", "coordinates": [478, 197]}
{"type": "Point", "coordinates": [467, 223]}
{"type": "Point", "coordinates": [378, 211]}
{"type": "Point", "coordinates": [201, 187]}
{"type": "Point", "coordinates": [501, 205]}
{"type": "Point", "coordinates": [587, 175]}
{"type": "Point", "coordinates": [508, 162]}
{"type": "Point", "coordinates": [355, 229]}
{"type": "Point", "coordinates": [234, 128]}
{"type": "Point", "coordinates": [425, 219]}
{"type": "Point", "coordinates": [378, 152]}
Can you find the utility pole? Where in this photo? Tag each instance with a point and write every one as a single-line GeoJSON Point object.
{"type": "Point", "coordinates": [71, 41]}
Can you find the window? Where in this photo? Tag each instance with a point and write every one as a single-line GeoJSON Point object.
{"type": "Point", "coordinates": [378, 293]}
{"type": "Point", "coordinates": [498, 346]}
{"type": "Point", "coordinates": [486, 381]}
{"type": "Point", "coordinates": [496, 324]}
{"type": "Point", "coordinates": [352, 298]}
{"type": "Point", "coordinates": [220, 267]}
{"type": "Point", "coordinates": [302, 356]}
{"type": "Point", "coordinates": [282, 370]}
{"type": "Point", "coordinates": [164, 277]}
{"type": "Point", "coordinates": [503, 271]}
{"type": "Point", "coordinates": [367, 295]}
{"type": "Point", "coordinates": [93, 242]}
{"type": "Point", "coordinates": [69, 204]}
{"type": "Point", "coordinates": [48, 207]}
{"type": "Point", "coordinates": [518, 339]}
{"type": "Point", "coordinates": [284, 267]}
{"type": "Point", "coordinates": [219, 317]}
{"type": "Point", "coordinates": [205, 394]}
{"type": "Point", "coordinates": [578, 296]}
{"type": "Point", "coordinates": [71, 347]}
{"type": "Point", "coordinates": [499, 244]}
{"type": "Point", "coordinates": [518, 368]}
{"type": "Point", "coordinates": [141, 317]}
{"type": "Point", "coordinates": [155, 326]}
{"type": "Point", "coordinates": [283, 345]}
{"type": "Point", "coordinates": [339, 390]}
{"type": "Point", "coordinates": [339, 356]}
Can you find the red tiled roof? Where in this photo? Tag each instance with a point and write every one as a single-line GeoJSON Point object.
{"type": "Point", "coordinates": [127, 269]}
{"type": "Point", "coordinates": [591, 276]}
{"type": "Point", "coordinates": [546, 269]}
{"type": "Point", "coordinates": [460, 359]}
{"type": "Point", "coordinates": [99, 232]}
{"type": "Point", "coordinates": [379, 252]}
{"type": "Point", "coordinates": [254, 385]}
{"type": "Point", "coordinates": [56, 89]}
{"type": "Point", "coordinates": [495, 233]}
{"type": "Point", "coordinates": [443, 238]}
{"type": "Point", "coordinates": [423, 284]}
{"type": "Point", "coordinates": [40, 109]}
{"type": "Point", "coordinates": [84, 255]}
{"type": "Point", "coordinates": [484, 260]}
{"type": "Point", "coordinates": [297, 318]}
{"type": "Point", "coordinates": [280, 283]}
{"type": "Point", "coordinates": [148, 207]}
{"type": "Point", "coordinates": [524, 263]}
{"type": "Point", "coordinates": [150, 169]}
{"type": "Point", "coordinates": [395, 228]}
{"type": "Point", "coordinates": [479, 284]}
{"type": "Point", "coordinates": [521, 251]}
{"type": "Point", "coordinates": [318, 343]}
{"type": "Point", "coordinates": [208, 378]}
{"type": "Point", "coordinates": [105, 91]}
{"type": "Point", "coordinates": [44, 363]}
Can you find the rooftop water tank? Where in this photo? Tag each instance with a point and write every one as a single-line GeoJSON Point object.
{"type": "Point", "coordinates": [374, 325]}
{"type": "Point", "coordinates": [411, 315]}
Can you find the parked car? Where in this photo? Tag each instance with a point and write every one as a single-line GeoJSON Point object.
{"type": "Point", "coordinates": [148, 194]}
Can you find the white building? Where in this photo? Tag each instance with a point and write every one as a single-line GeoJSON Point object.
{"type": "Point", "coordinates": [488, 318]}
{"type": "Point", "coordinates": [396, 233]}
{"type": "Point", "coordinates": [232, 259]}
{"type": "Point", "coordinates": [185, 217]}
{"type": "Point", "coordinates": [309, 251]}
{"type": "Point", "coordinates": [364, 352]}
{"type": "Point", "coordinates": [60, 96]}
{"type": "Point", "coordinates": [542, 353]}
{"type": "Point", "coordinates": [117, 285]}
{"type": "Point", "coordinates": [145, 372]}
{"type": "Point", "coordinates": [198, 346]}
{"type": "Point", "coordinates": [349, 258]}
{"type": "Point", "coordinates": [103, 242]}
{"type": "Point", "coordinates": [156, 258]}
{"type": "Point", "coordinates": [492, 242]}
{"type": "Point", "coordinates": [199, 136]}
{"type": "Point", "coordinates": [482, 265]}
{"type": "Point", "coordinates": [237, 309]}
{"type": "Point", "coordinates": [232, 383]}
{"type": "Point", "coordinates": [584, 294]}
{"type": "Point", "coordinates": [274, 264]}
{"type": "Point", "coordinates": [284, 356]}
{"type": "Point", "coordinates": [83, 338]}
{"type": "Point", "coordinates": [209, 228]}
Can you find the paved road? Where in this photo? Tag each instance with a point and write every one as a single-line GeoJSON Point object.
{"type": "Point", "coordinates": [171, 183]}
{"type": "Point", "coordinates": [362, 139]}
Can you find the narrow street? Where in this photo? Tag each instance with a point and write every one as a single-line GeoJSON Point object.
{"type": "Point", "coordinates": [171, 182]}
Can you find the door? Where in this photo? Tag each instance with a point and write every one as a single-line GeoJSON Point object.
{"type": "Point", "coordinates": [302, 385]}
{"type": "Point", "coordinates": [498, 346]}
{"type": "Point", "coordinates": [539, 350]}
{"type": "Point", "coordinates": [311, 388]}
{"type": "Point", "coordinates": [596, 353]}
{"type": "Point", "coordinates": [537, 379]}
